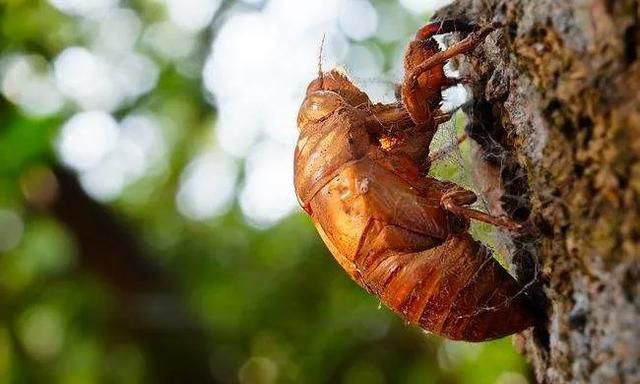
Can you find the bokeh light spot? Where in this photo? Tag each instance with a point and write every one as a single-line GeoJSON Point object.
{"type": "Point", "coordinates": [103, 82]}
{"type": "Point", "coordinates": [420, 7]}
{"type": "Point", "coordinates": [41, 331]}
{"type": "Point", "coordinates": [207, 186]}
{"type": "Point", "coordinates": [11, 229]}
{"type": "Point", "coordinates": [358, 19]}
{"type": "Point", "coordinates": [268, 194]}
{"type": "Point", "coordinates": [452, 354]}
{"type": "Point", "coordinates": [511, 378]}
{"type": "Point", "coordinates": [258, 370]}
{"type": "Point", "coordinates": [86, 138]}
{"type": "Point", "coordinates": [394, 24]}
{"type": "Point", "coordinates": [106, 180]}
{"type": "Point", "coordinates": [192, 15]}
{"type": "Point", "coordinates": [86, 8]}
{"type": "Point", "coordinates": [27, 81]}
{"type": "Point", "coordinates": [118, 31]}
{"type": "Point", "coordinates": [169, 41]}
{"type": "Point", "coordinates": [84, 77]}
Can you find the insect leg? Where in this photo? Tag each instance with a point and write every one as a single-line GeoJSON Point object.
{"type": "Point", "coordinates": [444, 26]}
{"type": "Point", "coordinates": [425, 78]}
{"type": "Point", "coordinates": [389, 119]}
{"type": "Point", "coordinates": [464, 45]}
{"type": "Point", "coordinates": [456, 202]}
{"type": "Point", "coordinates": [442, 118]}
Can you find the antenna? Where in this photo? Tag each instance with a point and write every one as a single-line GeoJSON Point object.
{"type": "Point", "coordinates": [320, 74]}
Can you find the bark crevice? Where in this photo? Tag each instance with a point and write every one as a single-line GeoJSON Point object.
{"type": "Point", "coordinates": [556, 113]}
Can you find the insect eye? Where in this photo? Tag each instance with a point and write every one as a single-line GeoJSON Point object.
{"type": "Point", "coordinates": [318, 106]}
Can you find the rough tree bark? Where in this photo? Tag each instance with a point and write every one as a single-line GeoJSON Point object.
{"type": "Point", "coordinates": [556, 113]}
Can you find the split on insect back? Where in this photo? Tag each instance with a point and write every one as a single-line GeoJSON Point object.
{"type": "Point", "coordinates": [361, 173]}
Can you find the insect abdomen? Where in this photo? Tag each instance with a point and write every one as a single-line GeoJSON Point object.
{"type": "Point", "coordinates": [447, 283]}
{"type": "Point", "coordinates": [455, 289]}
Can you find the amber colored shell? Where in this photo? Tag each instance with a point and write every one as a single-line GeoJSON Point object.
{"type": "Point", "coordinates": [388, 230]}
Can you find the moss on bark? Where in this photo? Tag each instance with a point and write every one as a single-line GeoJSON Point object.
{"type": "Point", "coordinates": [556, 112]}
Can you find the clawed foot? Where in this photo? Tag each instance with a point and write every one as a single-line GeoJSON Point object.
{"type": "Point", "coordinates": [527, 228]}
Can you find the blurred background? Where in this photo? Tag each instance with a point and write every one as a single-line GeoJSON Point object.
{"type": "Point", "coordinates": [148, 227]}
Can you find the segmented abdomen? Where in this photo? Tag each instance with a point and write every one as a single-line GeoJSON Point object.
{"type": "Point", "coordinates": [396, 244]}
{"type": "Point", "coordinates": [456, 289]}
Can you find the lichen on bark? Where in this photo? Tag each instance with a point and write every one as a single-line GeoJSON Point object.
{"type": "Point", "coordinates": [556, 111]}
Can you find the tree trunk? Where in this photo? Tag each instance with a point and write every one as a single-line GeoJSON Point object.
{"type": "Point", "coordinates": [556, 113]}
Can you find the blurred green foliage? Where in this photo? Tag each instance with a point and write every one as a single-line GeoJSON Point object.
{"type": "Point", "coordinates": [273, 304]}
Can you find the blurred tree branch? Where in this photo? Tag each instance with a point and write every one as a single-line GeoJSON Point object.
{"type": "Point", "coordinates": [149, 307]}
